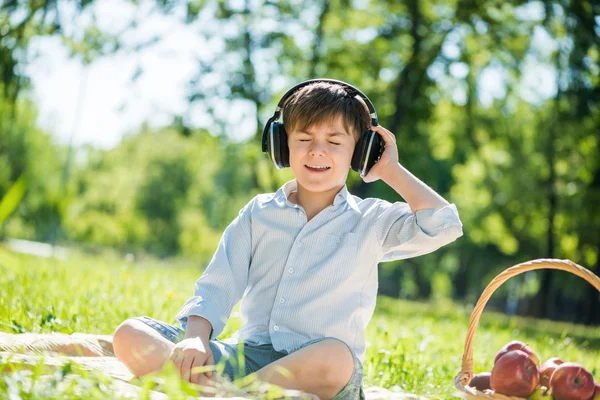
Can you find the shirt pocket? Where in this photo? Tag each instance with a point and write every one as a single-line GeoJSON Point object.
{"type": "Point", "coordinates": [334, 256]}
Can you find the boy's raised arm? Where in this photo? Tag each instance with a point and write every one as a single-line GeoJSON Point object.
{"type": "Point", "coordinates": [417, 194]}
{"type": "Point", "coordinates": [424, 223]}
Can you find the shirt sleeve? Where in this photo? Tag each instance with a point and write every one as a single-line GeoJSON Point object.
{"type": "Point", "coordinates": [224, 281]}
{"type": "Point", "coordinates": [404, 234]}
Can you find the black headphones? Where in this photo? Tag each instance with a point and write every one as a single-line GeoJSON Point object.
{"type": "Point", "coordinates": [367, 151]}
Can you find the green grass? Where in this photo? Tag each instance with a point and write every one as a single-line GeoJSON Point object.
{"type": "Point", "coordinates": [416, 347]}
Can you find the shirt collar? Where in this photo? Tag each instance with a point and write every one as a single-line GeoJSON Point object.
{"type": "Point", "coordinates": [342, 196]}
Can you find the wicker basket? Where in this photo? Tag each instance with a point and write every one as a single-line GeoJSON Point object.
{"type": "Point", "coordinates": [462, 380]}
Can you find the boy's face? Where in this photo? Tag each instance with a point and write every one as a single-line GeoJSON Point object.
{"type": "Point", "coordinates": [320, 155]}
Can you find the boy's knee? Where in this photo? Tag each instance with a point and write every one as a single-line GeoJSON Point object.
{"type": "Point", "coordinates": [125, 337]}
{"type": "Point", "coordinates": [336, 363]}
{"type": "Point", "coordinates": [140, 347]}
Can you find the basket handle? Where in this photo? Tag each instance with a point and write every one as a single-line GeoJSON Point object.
{"type": "Point", "coordinates": [465, 375]}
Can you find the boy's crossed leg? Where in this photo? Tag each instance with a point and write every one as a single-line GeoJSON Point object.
{"type": "Point", "coordinates": [142, 349]}
{"type": "Point", "coordinates": [323, 368]}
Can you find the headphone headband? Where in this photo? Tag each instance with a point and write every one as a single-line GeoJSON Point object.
{"type": "Point", "coordinates": [346, 85]}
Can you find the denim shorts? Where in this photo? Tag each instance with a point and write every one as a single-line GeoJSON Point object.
{"type": "Point", "coordinates": [228, 356]}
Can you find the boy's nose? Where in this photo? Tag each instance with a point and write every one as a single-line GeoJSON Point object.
{"type": "Point", "coordinates": [317, 148]}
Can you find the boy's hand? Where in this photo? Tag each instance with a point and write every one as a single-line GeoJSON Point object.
{"type": "Point", "coordinates": [389, 157]}
{"type": "Point", "coordinates": [189, 354]}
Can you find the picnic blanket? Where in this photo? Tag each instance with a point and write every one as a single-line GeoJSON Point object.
{"type": "Point", "coordinates": [95, 352]}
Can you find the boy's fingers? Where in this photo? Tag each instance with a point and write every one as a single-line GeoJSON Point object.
{"type": "Point", "coordinates": [177, 358]}
{"type": "Point", "coordinates": [381, 133]}
{"type": "Point", "coordinates": [186, 368]}
{"type": "Point", "coordinates": [386, 135]}
{"type": "Point", "coordinates": [195, 375]}
{"type": "Point", "coordinates": [174, 353]}
{"type": "Point", "coordinates": [209, 361]}
{"type": "Point", "coordinates": [389, 135]}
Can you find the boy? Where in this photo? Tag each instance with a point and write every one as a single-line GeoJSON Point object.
{"type": "Point", "coordinates": [304, 259]}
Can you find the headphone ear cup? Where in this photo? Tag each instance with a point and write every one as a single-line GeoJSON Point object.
{"type": "Point", "coordinates": [265, 142]}
{"type": "Point", "coordinates": [359, 151]}
{"type": "Point", "coordinates": [276, 156]}
{"type": "Point", "coordinates": [284, 149]}
{"type": "Point", "coordinates": [278, 146]}
{"type": "Point", "coordinates": [367, 152]}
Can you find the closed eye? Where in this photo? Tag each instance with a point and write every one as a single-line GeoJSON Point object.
{"type": "Point", "coordinates": [308, 140]}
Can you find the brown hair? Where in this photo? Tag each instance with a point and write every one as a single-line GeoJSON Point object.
{"type": "Point", "coordinates": [321, 102]}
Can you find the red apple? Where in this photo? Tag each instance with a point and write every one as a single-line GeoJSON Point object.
{"type": "Point", "coordinates": [571, 381]}
{"type": "Point", "coordinates": [597, 392]}
{"type": "Point", "coordinates": [481, 381]}
{"type": "Point", "coordinates": [515, 374]}
{"type": "Point", "coordinates": [547, 369]}
{"type": "Point", "coordinates": [517, 345]}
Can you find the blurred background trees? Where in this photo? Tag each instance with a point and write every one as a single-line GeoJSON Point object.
{"type": "Point", "coordinates": [494, 104]}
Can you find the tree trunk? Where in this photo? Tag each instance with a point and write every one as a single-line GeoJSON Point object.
{"type": "Point", "coordinates": [546, 289]}
{"type": "Point", "coordinates": [543, 303]}
{"type": "Point", "coordinates": [405, 81]}
{"type": "Point", "coordinates": [316, 52]}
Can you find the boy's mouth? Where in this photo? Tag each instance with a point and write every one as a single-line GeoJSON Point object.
{"type": "Point", "coordinates": [316, 168]}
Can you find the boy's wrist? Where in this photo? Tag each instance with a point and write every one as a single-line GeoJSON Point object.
{"type": "Point", "coordinates": [392, 170]}
{"type": "Point", "coordinates": [198, 327]}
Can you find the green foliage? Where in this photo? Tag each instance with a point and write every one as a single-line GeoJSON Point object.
{"type": "Point", "coordinates": [28, 154]}
{"type": "Point", "coordinates": [148, 194]}
{"type": "Point", "coordinates": [12, 198]}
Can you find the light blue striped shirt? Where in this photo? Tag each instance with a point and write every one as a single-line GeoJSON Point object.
{"type": "Point", "coordinates": [306, 280]}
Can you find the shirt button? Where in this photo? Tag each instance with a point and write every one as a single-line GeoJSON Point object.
{"type": "Point", "coordinates": [291, 270]}
{"type": "Point", "coordinates": [276, 328]}
{"type": "Point", "coordinates": [282, 300]}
